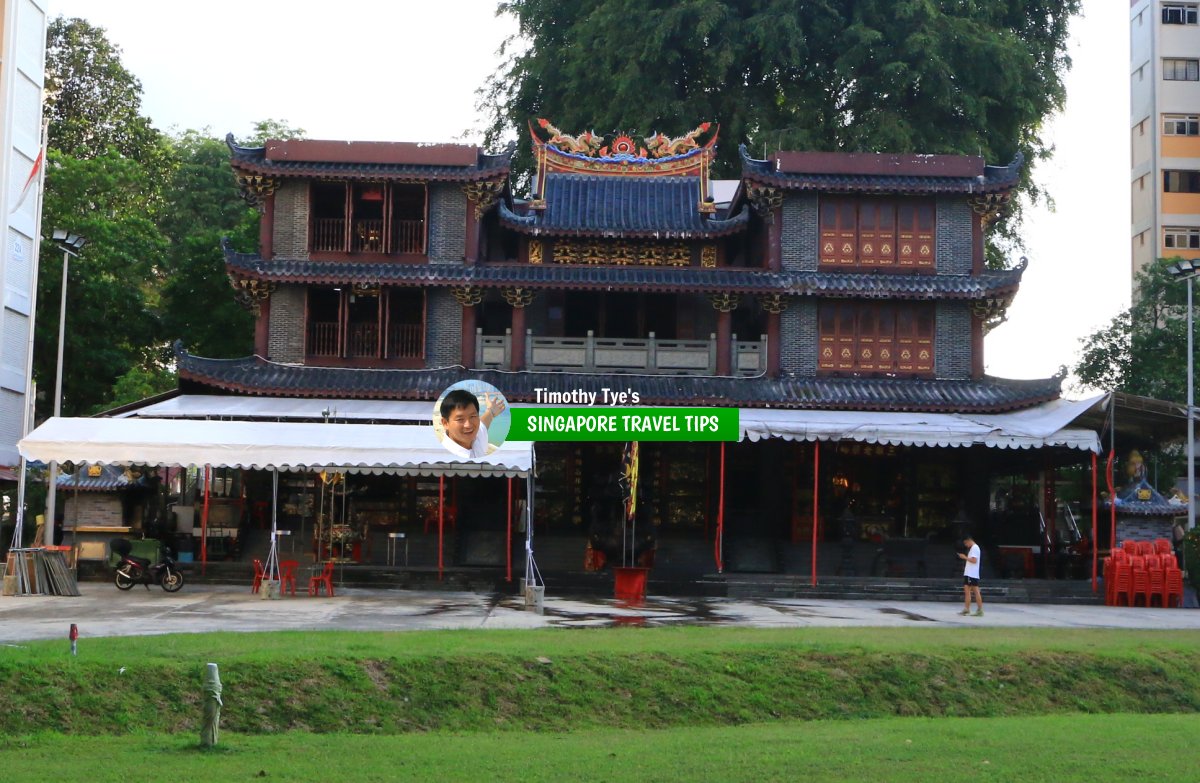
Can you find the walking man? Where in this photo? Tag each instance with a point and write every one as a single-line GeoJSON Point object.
{"type": "Point", "coordinates": [971, 577]}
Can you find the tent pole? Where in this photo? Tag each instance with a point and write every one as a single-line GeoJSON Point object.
{"type": "Point", "coordinates": [816, 491]}
{"type": "Point", "coordinates": [1095, 549]}
{"type": "Point", "coordinates": [508, 538]}
{"type": "Point", "coordinates": [204, 525]}
{"type": "Point", "coordinates": [441, 520]}
{"type": "Point", "coordinates": [1112, 501]}
{"type": "Point", "coordinates": [273, 554]}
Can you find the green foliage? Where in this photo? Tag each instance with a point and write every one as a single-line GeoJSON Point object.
{"type": "Point", "coordinates": [845, 75]}
{"type": "Point", "coordinates": [272, 129]}
{"type": "Point", "coordinates": [139, 382]}
{"type": "Point", "coordinates": [111, 288]}
{"type": "Point", "coordinates": [1144, 349]}
{"type": "Point", "coordinates": [1191, 555]}
{"type": "Point", "coordinates": [93, 104]}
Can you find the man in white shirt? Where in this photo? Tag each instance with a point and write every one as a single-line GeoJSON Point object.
{"type": "Point", "coordinates": [971, 577]}
{"type": "Point", "coordinates": [466, 429]}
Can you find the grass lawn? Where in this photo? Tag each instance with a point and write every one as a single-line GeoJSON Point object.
{"type": "Point", "coordinates": [1056, 749]}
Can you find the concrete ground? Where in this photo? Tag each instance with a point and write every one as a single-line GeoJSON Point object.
{"type": "Point", "coordinates": [104, 611]}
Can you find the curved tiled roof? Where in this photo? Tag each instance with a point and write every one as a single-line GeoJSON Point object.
{"type": "Point", "coordinates": [253, 160]}
{"type": "Point", "coordinates": [628, 278]}
{"type": "Point", "coordinates": [256, 376]}
{"type": "Point", "coordinates": [993, 179]}
{"type": "Point", "coordinates": [660, 207]}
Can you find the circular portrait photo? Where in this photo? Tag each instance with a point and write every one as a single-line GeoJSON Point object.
{"type": "Point", "coordinates": [471, 419]}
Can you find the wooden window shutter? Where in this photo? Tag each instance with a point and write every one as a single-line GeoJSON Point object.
{"type": "Point", "coordinates": [867, 356]}
{"type": "Point", "coordinates": [906, 344]}
{"type": "Point", "coordinates": [924, 338]}
{"type": "Point", "coordinates": [827, 336]}
{"type": "Point", "coordinates": [839, 232]}
{"type": "Point", "coordinates": [847, 332]}
{"type": "Point", "coordinates": [925, 236]}
{"type": "Point", "coordinates": [885, 338]}
{"type": "Point", "coordinates": [877, 233]}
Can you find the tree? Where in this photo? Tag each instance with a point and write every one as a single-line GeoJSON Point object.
{"type": "Point", "coordinates": [1144, 349]}
{"type": "Point", "coordinates": [93, 104]}
{"type": "Point", "coordinates": [112, 289]}
{"type": "Point", "coordinates": [971, 77]}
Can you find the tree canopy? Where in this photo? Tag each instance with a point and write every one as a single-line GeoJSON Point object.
{"type": "Point", "coordinates": [972, 77]}
{"type": "Point", "coordinates": [1143, 350]}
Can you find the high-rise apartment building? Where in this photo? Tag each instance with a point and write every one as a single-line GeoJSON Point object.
{"type": "Point", "coordinates": [1164, 123]}
{"type": "Point", "coordinates": [22, 75]}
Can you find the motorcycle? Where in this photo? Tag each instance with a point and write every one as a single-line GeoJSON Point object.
{"type": "Point", "coordinates": [133, 570]}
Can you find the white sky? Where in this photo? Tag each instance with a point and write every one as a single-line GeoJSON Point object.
{"type": "Point", "coordinates": [407, 71]}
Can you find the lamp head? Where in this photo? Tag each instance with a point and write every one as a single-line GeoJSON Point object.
{"type": "Point", "coordinates": [69, 240]}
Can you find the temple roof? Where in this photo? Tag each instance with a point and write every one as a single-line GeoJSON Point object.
{"type": "Point", "coordinates": [110, 478]}
{"type": "Point", "coordinates": [633, 207]}
{"type": "Point", "coordinates": [257, 376]}
{"type": "Point", "coordinates": [910, 286]}
{"type": "Point", "coordinates": [834, 172]}
{"type": "Point", "coordinates": [396, 161]}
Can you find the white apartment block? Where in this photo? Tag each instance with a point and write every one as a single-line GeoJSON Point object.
{"type": "Point", "coordinates": [1164, 122]}
{"type": "Point", "coordinates": [22, 73]}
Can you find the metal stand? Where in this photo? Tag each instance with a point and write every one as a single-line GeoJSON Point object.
{"type": "Point", "coordinates": [392, 547]}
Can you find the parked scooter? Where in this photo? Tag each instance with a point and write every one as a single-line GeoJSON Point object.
{"type": "Point", "coordinates": [133, 570]}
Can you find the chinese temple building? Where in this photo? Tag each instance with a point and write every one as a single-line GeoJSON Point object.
{"type": "Point", "coordinates": [840, 301]}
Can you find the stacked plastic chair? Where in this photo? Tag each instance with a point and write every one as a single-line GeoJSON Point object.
{"type": "Point", "coordinates": [1143, 573]}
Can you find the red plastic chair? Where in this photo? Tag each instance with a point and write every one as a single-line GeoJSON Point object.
{"type": "Point", "coordinates": [1168, 561]}
{"type": "Point", "coordinates": [259, 575]}
{"type": "Point", "coordinates": [1137, 563]}
{"type": "Point", "coordinates": [287, 576]}
{"type": "Point", "coordinates": [1119, 554]}
{"type": "Point", "coordinates": [1152, 562]}
{"type": "Point", "coordinates": [1110, 572]}
{"type": "Point", "coordinates": [1130, 546]}
{"type": "Point", "coordinates": [1141, 586]}
{"type": "Point", "coordinates": [325, 578]}
{"type": "Point", "coordinates": [1173, 587]}
{"type": "Point", "coordinates": [1123, 584]}
{"type": "Point", "coordinates": [1162, 546]}
{"type": "Point", "coordinates": [1157, 589]}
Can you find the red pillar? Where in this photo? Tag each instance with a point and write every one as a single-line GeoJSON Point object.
{"type": "Point", "coordinates": [816, 497]}
{"type": "Point", "coordinates": [262, 328]}
{"type": "Point", "coordinates": [517, 343]}
{"type": "Point", "coordinates": [724, 341]}
{"type": "Point", "coordinates": [266, 228]}
{"type": "Point", "coordinates": [441, 520]}
{"type": "Point", "coordinates": [468, 336]}
{"type": "Point", "coordinates": [1095, 529]}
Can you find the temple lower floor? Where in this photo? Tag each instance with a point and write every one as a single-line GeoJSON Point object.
{"type": "Point", "coordinates": [771, 506]}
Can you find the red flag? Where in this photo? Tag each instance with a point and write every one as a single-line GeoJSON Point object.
{"type": "Point", "coordinates": [33, 175]}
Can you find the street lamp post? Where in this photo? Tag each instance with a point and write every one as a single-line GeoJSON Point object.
{"type": "Point", "coordinates": [70, 244]}
{"type": "Point", "coordinates": [1187, 271]}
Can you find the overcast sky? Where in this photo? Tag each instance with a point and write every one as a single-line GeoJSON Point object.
{"type": "Point", "coordinates": [406, 71]}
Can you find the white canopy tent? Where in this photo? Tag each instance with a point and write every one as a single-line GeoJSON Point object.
{"type": "Point", "coordinates": [217, 406]}
{"type": "Point", "coordinates": [1042, 426]}
{"type": "Point", "coordinates": [273, 445]}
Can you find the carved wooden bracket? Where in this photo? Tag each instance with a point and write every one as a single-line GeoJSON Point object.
{"type": "Point", "coordinates": [989, 207]}
{"type": "Point", "coordinates": [518, 297]}
{"type": "Point", "coordinates": [765, 199]}
{"type": "Point", "coordinates": [773, 303]}
{"type": "Point", "coordinates": [483, 194]}
{"type": "Point", "coordinates": [251, 293]}
{"type": "Point", "coordinates": [708, 256]}
{"type": "Point", "coordinates": [993, 311]}
{"type": "Point", "coordinates": [365, 289]}
{"type": "Point", "coordinates": [467, 295]}
{"type": "Point", "coordinates": [536, 251]}
{"type": "Point", "coordinates": [724, 302]}
{"type": "Point", "coordinates": [255, 188]}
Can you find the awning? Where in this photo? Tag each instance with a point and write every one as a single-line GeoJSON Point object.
{"type": "Point", "coordinates": [217, 406]}
{"type": "Point", "coordinates": [1037, 427]}
{"type": "Point", "coordinates": [360, 448]}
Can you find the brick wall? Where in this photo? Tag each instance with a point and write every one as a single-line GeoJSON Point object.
{"type": "Point", "coordinates": [800, 233]}
{"type": "Point", "coordinates": [447, 224]}
{"type": "Point", "coordinates": [94, 508]}
{"type": "Point", "coordinates": [952, 341]}
{"type": "Point", "coordinates": [285, 340]}
{"type": "Point", "coordinates": [953, 252]}
{"type": "Point", "coordinates": [798, 337]}
{"type": "Point", "coordinates": [290, 236]}
{"type": "Point", "coordinates": [1143, 528]}
{"type": "Point", "coordinates": [443, 331]}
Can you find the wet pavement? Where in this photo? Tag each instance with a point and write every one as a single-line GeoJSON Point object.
{"type": "Point", "coordinates": [103, 611]}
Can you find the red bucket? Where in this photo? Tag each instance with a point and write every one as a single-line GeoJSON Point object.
{"type": "Point", "coordinates": [631, 583]}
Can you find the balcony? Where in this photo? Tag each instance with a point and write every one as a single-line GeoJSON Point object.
{"type": "Point", "coordinates": [406, 237]}
{"type": "Point", "coordinates": [606, 355]}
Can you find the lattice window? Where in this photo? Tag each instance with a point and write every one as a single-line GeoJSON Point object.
{"type": "Point", "coordinates": [875, 338]}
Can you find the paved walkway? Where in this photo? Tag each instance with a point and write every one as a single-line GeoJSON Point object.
{"type": "Point", "coordinates": [103, 611]}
